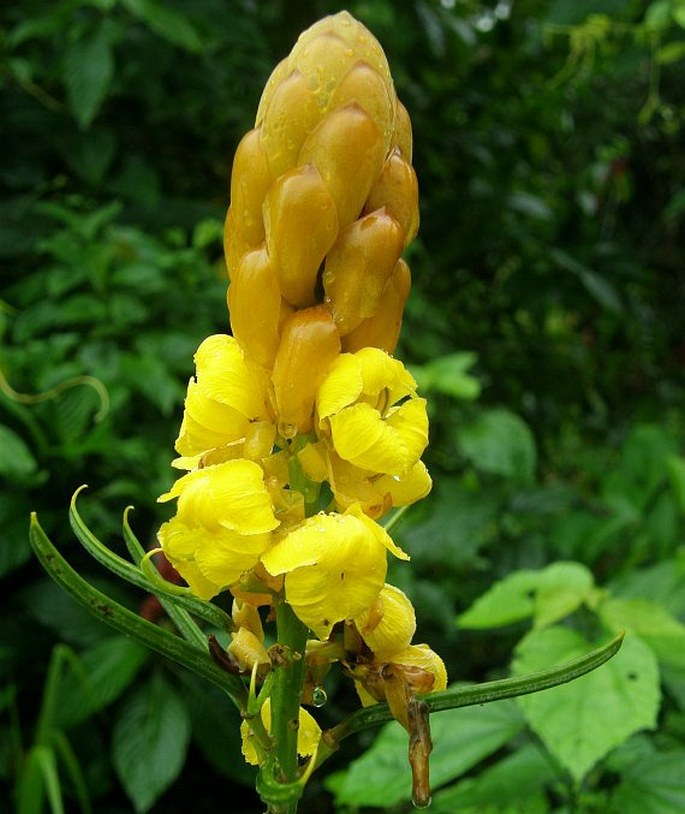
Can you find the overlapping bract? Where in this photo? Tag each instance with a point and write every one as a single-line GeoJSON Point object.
{"type": "Point", "coordinates": [300, 431]}
{"type": "Point", "coordinates": [323, 196]}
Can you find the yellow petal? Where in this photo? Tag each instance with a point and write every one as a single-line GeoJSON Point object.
{"type": "Point", "coordinates": [179, 544]}
{"type": "Point", "coordinates": [335, 567]}
{"type": "Point", "coordinates": [420, 655]}
{"type": "Point", "coordinates": [314, 461]}
{"type": "Point", "coordinates": [222, 555]}
{"type": "Point", "coordinates": [230, 494]}
{"type": "Point", "coordinates": [247, 649]}
{"type": "Point", "coordinates": [410, 423]}
{"type": "Point", "coordinates": [223, 374]}
{"type": "Point", "coordinates": [388, 625]}
{"type": "Point", "coordinates": [247, 616]}
{"type": "Point", "coordinates": [410, 488]}
{"type": "Point", "coordinates": [382, 372]}
{"type": "Point", "coordinates": [341, 387]}
{"type": "Point", "coordinates": [308, 734]}
{"type": "Point", "coordinates": [207, 423]}
{"type": "Point", "coordinates": [378, 531]}
{"type": "Point", "coordinates": [362, 437]}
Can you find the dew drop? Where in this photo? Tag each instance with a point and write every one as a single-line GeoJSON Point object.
{"type": "Point", "coordinates": [421, 803]}
{"type": "Point", "coordinates": [319, 697]}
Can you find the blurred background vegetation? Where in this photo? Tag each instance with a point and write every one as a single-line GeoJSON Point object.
{"type": "Point", "coordinates": [545, 325]}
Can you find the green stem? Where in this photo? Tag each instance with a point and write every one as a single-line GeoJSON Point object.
{"type": "Point", "coordinates": [287, 690]}
{"type": "Point", "coordinates": [286, 695]}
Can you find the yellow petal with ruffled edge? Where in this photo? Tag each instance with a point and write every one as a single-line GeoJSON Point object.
{"type": "Point", "coordinates": [224, 555]}
{"type": "Point", "coordinates": [231, 495]}
{"type": "Point", "coordinates": [361, 436]}
{"type": "Point", "coordinates": [179, 544]}
{"type": "Point", "coordinates": [210, 559]}
{"type": "Point", "coordinates": [224, 375]}
{"type": "Point", "coordinates": [409, 422]}
{"type": "Point", "coordinates": [207, 423]}
{"type": "Point", "coordinates": [308, 735]}
{"type": "Point", "coordinates": [389, 623]}
{"type": "Point", "coordinates": [335, 566]}
{"type": "Point", "coordinates": [404, 491]}
{"type": "Point", "coordinates": [382, 372]}
{"type": "Point", "coordinates": [341, 387]}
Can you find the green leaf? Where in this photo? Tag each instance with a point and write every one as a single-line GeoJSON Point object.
{"type": "Point", "coordinates": [461, 739]}
{"type": "Point", "coordinates": [39, 777]}
{"type": "Point", "coordinates": [652, 785]}
{"type": "Point", "coordinates": [676, 472]}
{"type": "Point", "coordinates": [89, 68]}
{"type": "Point", "coordinates": [583, 720]}
{"type": "Point", "coordinates": [663, 583]}
{"type": "Point", "coordinates": [652, 623]}
{"type": "Point", "coordinates": [109, 668]}
{"type": "Point", "coordinates": [153, 380]}
{"type": "Point", "coordinates": [501, 443]}
{"type": "Point", "coordinates": [150, 741]}
{"type": "Point", "coordinates": [671, 52]}
{"type": "Point", "coordinates": [518, 777]}
{"type": "Point", "coordinates": [166, 22]}
{"type": "Point", "coordinates": [449, 375]}
{"type": "Point", "coordinates": [217, 736]}
{"type": "Point", "coordinates": [594, 283]}
{"type": "Point", "coordinates": [546, 595]}
{"type": "Point", "coordinates": [16, 459]}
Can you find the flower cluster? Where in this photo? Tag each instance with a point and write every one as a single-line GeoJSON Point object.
{"type": "Point", "coordinates": [301, 431]}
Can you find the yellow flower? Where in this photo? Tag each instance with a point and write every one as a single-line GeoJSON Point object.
{"type": "Point", "coordinates": [308, 735]}
{"type": "Point", "coordinates": [223, 523]}
{"type": "Point", "coordinates": [334, 566]}
{"type": "Point", "coordinates": [388, 625]}
{"type": "Point", "coordinates": [376, 494]}
{"type": "Point", "coordinates": [228, 395]}
{"type": "Point", "coordinates": [360, 404]}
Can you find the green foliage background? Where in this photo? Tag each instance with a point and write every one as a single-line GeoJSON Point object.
{"type": "Point", "coordinates": [545, 325]}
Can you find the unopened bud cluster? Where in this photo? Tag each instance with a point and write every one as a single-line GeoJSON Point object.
{"type": "Point", "coordinates": [323, 199]}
